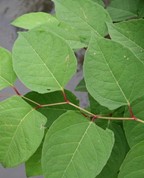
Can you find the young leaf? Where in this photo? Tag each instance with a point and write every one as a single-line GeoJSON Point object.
{"type": "Point", "coordinates": [124, 9]}
{"type": "Point", "coordinates": [132, 166]}
{"type": "Point", "coordinates": [118, 153]}
{"type": "Point", "coordinates": [75, 147]}
{"type": "Point", "coordinates": [7, 75]}
{"type": "Point", "coordinates": [83, 16]}
{"type": "Point", "coordinates": [31, 20]}
{"type": "Point", "coordinates": [33, 165]}
{"type": "Point", "coordinates": [135, 130]}
{"type": "Point", "coordinates": [130, 34]}
{"type": "Point", "coordinates": [21, 131]}
{"type": "Point", "coordinates": [43, 61]}
{"type": "Point", "coordinates": [53, 112]}
{"type": "Point", "coordinates": [107, 66]}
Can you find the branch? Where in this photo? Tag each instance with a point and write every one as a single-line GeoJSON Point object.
{"type": "Point", "coordinates": [94, 116]}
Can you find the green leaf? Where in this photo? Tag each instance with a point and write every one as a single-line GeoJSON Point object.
{"type": "Point", "coordinates": [85, 16]}
{"type": "Point", "coordinates": [33, 165]}
{"type": "Point", "coordinates": [107, 66]}
{"type": "Point", "coordinates": [31, 20]}
{"type": "Point", "coordinates": [43, 61]}
{"type": "Point", "coordinates": [135, 130]}
{"type": "Point", "coordinates": [130, 34]}
{"type": "Point", "coordinates": [21, 131]}
{"type": "Point", "coordinates": [81, 86]}
{"type": "Point", "coordinates": [7, 75]}
{"type": "Point", "coordinates": [132, 166]}
{"type": "Point", "coordinates": [53, 112]}
{"type": "Point", "coordinates": [75, 147]}
{"type": "Point", "coordinates": [65, 31]}
{"type": "Point", "coordinates": [96, 108]}
{"type": "Point", "coordinates": [124, 9]}
{"type": "Point", "coordinates": [118, 153]}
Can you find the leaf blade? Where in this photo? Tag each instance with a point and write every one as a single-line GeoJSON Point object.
{"type": "Point", "coordinates": [129, 34]}
{"type": "Point", "coordinates": [44, 70]}
{"type": "Point", "coordinates": [83, 15]}
{"type": "Point", "coordinates": [71, 149]}
{"type": "Point", "coordinates": [18, 131]}
{"type": "Point", "coordinates": [107, 83]}
{"type": "Point", "coordinates": [133, 163]}
{"type": "Point", "coordinates": [7, 75]}
{"type": "Point", "coordinates": [34, 19]}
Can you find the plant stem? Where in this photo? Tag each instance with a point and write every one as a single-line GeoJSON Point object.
{"type": "Point", "coordinates": [53, 104]}
{"type": "Point", "coordinates": [84, 110]}
{"type": "Point", "coordinates": [121, 118]}
{"type": "Point", "coordinates": [30, 100]}
{"type": "Point", "coordinates": [132, 118]}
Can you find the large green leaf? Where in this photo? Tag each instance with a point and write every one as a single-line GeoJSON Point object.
{"type": "Point", "coordinates": [21, 131]}
{"type": "Point", "coordinates": [135, 130]}
{"type": "Point", "coordinates": [107, 66]}
{"type": "Point", "coordinates": [125, 9]}
{"type": "Point", "coordinates": [43, 61]}
{"type": "Point", "coordinates": [31, 20]}
{"type": "Point", "coordinates": [86, 16]}
{"type": "Point", "coordinates": [130, 34]}
{"type": "Point", "coordinates": [133, 165]}
{"type": "Point", "coordinates": [75, 147]}
{"type": "Point", "coordinates": [53, 112]}
{"type": "Point", "coordinates": [118, 153]}
{"type": "Point", "coordinates": [7, 75]}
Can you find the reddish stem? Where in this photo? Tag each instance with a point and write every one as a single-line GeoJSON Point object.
{"type": "Point", "coordinates": [38, 107]}
{"type": "Point", "coordinates": [16, 91]}
{"type": "Point", "coordinates": [131, 113]}
{"type": "Point", "coordinates": [94, 118]}
{"type": "Point", "coordinates": [84, 115]}
{"type": "Point", "coordinates": [65, 97]}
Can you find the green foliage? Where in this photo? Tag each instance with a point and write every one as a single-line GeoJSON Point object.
{"type": "Point", "coordinates": [135, 131]}
{"type": "Point", "coordinates": [130, 34]}
{"type": "Point", "coordinates": [133, 163]}
{"type": "Point", "coordinates": [21, 131]}
{"type": "Point", "coordinates": [47, 129]}
{"type": "Point", "coordinates": [125, 9]}
{"type": "Point", "coordinates": [112, 63]}
{"type": "Point", "coordinates": [86, 16]}
{"type": "Point", "coordinates": [32, 20]}
{"type": "Point", "coordinates": [75, 149]}
{"type": "Point", "coordinates": [7, 75]}
{"type": "Point", "coordinates": [52, 112]}
{"type": "Point", "coordinates": [49, 70]}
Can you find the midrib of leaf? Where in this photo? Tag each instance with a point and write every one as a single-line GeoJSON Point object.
{"type": "Point", "coordinates": [22, 120]}
{"type": "Point", "coordinates": [134, 44]}
{"type": "Point", "coordinates": [117, 83]}
{"type": "Point", "coordinates": [82, 18]}
{"type": "Point", "coordinates": [79, 143]}
{"type": "Point", "coordinates": [44, 63]}
{"type": "Point", "coordinates": [6, 80]}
